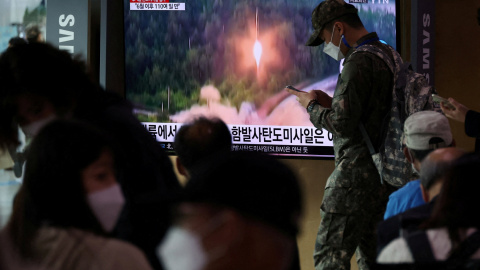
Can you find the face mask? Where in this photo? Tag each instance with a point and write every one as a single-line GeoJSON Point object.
{"type": "Point", "coordinates": [182, 250]}
{"type": "Point", "coordinates": [106, 205]}
{"type": "Point", "coordinates": [332, 50]}
{"type": "Point", "coordinates": [33, 128]}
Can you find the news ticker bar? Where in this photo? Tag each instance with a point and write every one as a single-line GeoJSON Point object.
{"type": "Point", "coordinates": [151, 5]}
{"type": "Point", "coordinates": [254, 134]}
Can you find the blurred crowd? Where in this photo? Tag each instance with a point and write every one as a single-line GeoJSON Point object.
{"type": "Point", "coordinates": [99, 192]}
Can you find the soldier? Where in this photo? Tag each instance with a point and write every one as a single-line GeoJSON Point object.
{"type": "Point", "coordinates": [354, 198]}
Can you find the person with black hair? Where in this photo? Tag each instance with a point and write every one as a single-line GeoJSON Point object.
{"type": "Point", "coordinates": [354, 199]}
{"type": "Point", "coordinates": [16, 41]}
{"type": "Point", "coordinates": [198, 140]}
{"type": "Point", "coordinates": [39, 83]}
{"type": "Point", "coordinates": [452, 233]}
{"type": "Point", "coordinates": [242, 213]}
{"type": "Point", "coordinates": [68, 204]}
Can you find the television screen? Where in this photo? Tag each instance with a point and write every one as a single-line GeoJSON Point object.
{"type": "Point", "coordinates": [232, 60]}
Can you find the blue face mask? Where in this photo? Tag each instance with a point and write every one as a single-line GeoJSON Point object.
{"type": "Point", "coordinates": [332, 50]}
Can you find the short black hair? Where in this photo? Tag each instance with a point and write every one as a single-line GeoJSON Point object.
{"type": "Point", "coordinates": [14, 41]}
{"type": "Point", "coordinates": [201, 138]}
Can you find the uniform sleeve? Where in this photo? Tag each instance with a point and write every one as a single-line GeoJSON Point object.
{"type": "Point", "coordinates": [351, 92]}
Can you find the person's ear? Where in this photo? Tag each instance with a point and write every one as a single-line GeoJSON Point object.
{"type": "Point", "coordinates": [408, 155]}
{"type": "Point", "coordinates": [181, 169]}
{"type": "Point", "coordinates": [425, 196]}
{"type": "Point", "coordinates": [339, 27]}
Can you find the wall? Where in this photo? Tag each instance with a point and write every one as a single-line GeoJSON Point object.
{"type": "Point", "coordinates": [313, 175]}
{"type": "Point", "coordinates": [457, 68]}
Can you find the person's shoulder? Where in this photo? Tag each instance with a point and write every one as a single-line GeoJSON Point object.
{"type": "Point", "coordinates": [116, 254]}
{"type": "Point", "coordinates": [396, 252]}
{"type": "Point", "coordinates": [406, 189]}
{"type": "Point", "coordinates": [125, 255]}
{"type": "Point", "coordinates": [371, 53]}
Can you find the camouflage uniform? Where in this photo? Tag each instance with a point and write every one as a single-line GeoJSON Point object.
{"type": "Point", "coordinates": [354, 199]}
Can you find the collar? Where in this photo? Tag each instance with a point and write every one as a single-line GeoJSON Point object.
{"type": "Point", "coordinates": [368, 38]}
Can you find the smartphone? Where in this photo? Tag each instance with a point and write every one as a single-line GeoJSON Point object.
{"type": "Point", "coordinates": [294, 89]}
{"type": "Point", "coordinates": [446, 103]}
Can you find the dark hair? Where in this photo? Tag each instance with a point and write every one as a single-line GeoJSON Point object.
{"type": "Point", "coordinates": [254, 184]}
{"type": "Point", "coordinates": [32, 33]}
{"type": "Point", "coordinates": [14, 41]}
{"type": "Point", "coordinates": [201, 138]}
{"type": "Point", "coordinates": [458, 201]}
{"type": "Point", "coordinates": [52, 192]}
{"type": "Point", "coordinates": [352, 19]}
{"type": "Point", "coordinates": [420, 154]}
{"type": "Point", "coordinates": [42, 70]}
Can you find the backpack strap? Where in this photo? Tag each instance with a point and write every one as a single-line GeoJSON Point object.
{"type": "Point", "coordinates": [465, 250]}
{"type": "Point", "coordinates": [369, 145]}
{"type": "Point", "coordinates": [420, 248]}
{"type": "Point", "coordinates": [381, 54]}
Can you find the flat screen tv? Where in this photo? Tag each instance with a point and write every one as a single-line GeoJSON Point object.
{"type": "Point", "coordinates": [232, 59]}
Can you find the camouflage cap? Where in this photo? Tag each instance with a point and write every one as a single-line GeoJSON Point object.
{"type": "Point", "coordinates": [324, 13]}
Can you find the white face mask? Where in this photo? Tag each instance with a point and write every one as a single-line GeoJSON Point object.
{"type": "Point", "coordinates": [332, 50]}
{"type": "Point", "coordinates": [33, 128]}
{"type": "Point", "coordinates": [106, 205]}
{"type": "Point", "coordinates": [182, 250]}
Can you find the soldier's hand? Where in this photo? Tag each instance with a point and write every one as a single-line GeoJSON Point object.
{"type": "Point", "coordinates": [303, 97]}
{"type": "Point", "coordinates": [323, 98]}
{"type": "Point", "coordinates": [458, 114]}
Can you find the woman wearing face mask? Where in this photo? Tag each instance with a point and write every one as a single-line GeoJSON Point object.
{"type": "Point", "coordinates": [68, 204]}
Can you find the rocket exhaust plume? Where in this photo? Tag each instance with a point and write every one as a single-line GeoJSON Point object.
{"type": "Point", "coordinates": [257, 47]}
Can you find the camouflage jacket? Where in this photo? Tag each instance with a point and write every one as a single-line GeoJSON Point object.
{"type": "Point", "coordinates": [363, 93]}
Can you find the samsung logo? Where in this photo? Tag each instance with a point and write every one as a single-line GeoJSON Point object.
{"type": "Point", "coordinates": [66, 36]}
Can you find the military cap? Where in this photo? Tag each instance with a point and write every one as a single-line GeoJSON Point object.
{"type": "Point", "coordinates": [326, 12]}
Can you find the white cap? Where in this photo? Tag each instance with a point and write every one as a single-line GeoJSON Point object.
{"type": "Point", "coordinates": [427, 130]}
